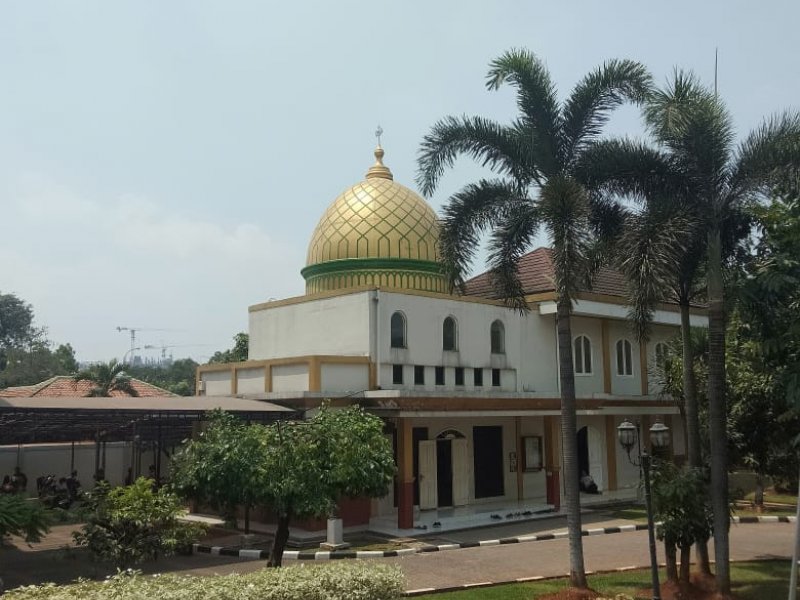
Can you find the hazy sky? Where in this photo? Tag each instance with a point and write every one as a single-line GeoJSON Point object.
{"type": "Point", "coordinates": [163, 164]}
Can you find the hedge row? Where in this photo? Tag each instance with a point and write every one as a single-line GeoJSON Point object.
{"type": "Point", "coordinates": [334, 581]}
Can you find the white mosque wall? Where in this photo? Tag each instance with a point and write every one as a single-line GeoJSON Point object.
{"type": "Point", "coordinates": [290, 378]}
{"type": "Point", "coordinates": [250, 381]}
{"type": "Point", "coordinates": [217, 383]}
{"type": "Point", "coordinates": [424, 321]}
{"type": "Point", "coordinates": [539, 354]}
{"type": "Point", "coordinates": [337, 326]}
{"type": "Point", "coordinates": [624, 385]}
{"type": "Point", "coordinates": [587, 384]}
{"type": "Point", "coordinates": [344, 378]}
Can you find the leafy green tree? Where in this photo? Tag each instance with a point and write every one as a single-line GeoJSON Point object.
{"type": "Point", "coordinates": [22, 517]}
{"type": "Point", "coordinates": [542, 158]}
{"type": "Point", "coordinates": [310, 466]}
{"type": "Point", "coordinates": [107, 377]}
{"type": "Point", "coordinates": [64, 356]}
{"type": "Point", "coordinates": [16, 322]}
{"type": "Point", "coordinates": [238, 353]}
{"type": "Point", "coordinates": [132, 524]}
{"type": "Point", "coordinates": [178, 376]}
{"type": "Point", "coordinates": [222, 466]}
{"type": "Point", "coordinates": [681, 505]}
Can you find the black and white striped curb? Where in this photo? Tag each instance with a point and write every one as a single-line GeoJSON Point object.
{"type": "Point", "coordinates": [256, 554]}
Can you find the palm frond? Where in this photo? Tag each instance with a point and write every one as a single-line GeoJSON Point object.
{"type": "Point", "coordinates": [510, 239]}
{"type": "Point", "coordinates": [628, 168]}
{"type": "Point", "coordinates": [666, 110]}
{"type": "Point", "coordinates": [564, 209]}
{"type": "Point", "coordinates": [490, 144]}
{"type": "Point", "coordinates": [475, 209]}
{"type": "Point", "coordinates": [649, 253]}
{"type": "Point", "coordinates": [767, 154]}
{"type": "Point", "coordinates": [536, 99]}
{"type": "Point", "coordinates": [588, 108]}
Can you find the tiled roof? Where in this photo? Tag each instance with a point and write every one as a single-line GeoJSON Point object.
{"type": "Point", "coordinates": [65, 386]}
{"type": "Point", "coordinates": [536, 273]}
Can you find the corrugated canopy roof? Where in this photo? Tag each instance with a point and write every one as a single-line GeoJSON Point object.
{"type": "Point", "coordinates": [170, 418]}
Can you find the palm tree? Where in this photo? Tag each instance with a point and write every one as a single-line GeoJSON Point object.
{"type": "Point", "coordinates": [539, 156]}
{"type": "Point", "coordinates": [696, 187]}
{"type": "Point", "coordinates": [107, 377]}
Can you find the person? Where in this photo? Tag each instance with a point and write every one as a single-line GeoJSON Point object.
{"type": "Point", "coordinates": [587, 483]}
{"type": "Point", "coordinates": [19, 480]}
{"type": "Point", "coordinates": [129, 476]}
{"type": "Point", "coordinates": [7, 487]}
{"type": "Point", "coordinates": [73, 485]}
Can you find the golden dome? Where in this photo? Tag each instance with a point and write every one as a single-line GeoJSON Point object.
{"type": "Point", "coordinates": [375, 220]}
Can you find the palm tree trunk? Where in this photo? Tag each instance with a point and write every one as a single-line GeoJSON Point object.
{"type": "Point", "coordinates": [569, 437]}
{"type": "Point", "coordinates": [694, 449]}
{"type": "Point", "coordinates": [717, 412]}
{"type": "Point", "coordinates": [690, 391]}
{"type": "Point", "coordinates": [671, 554]}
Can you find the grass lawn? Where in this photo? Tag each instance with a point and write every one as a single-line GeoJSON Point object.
{"type": "Point", "coordinates": [770, 496]}
{"type": "Point", "coordinates": [632, 513]}
{"type": "Point", "coordinates": [757, 580]}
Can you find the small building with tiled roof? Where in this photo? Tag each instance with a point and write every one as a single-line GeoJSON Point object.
{"type": "Point", "coordinates": [65, 386]}
{"type": "Point", "coordinates": [468, 388]}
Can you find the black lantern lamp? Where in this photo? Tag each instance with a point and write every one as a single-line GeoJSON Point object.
{"type": "Point", "coordinates": [628, 435]}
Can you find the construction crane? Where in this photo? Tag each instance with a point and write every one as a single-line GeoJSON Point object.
{"type": "Point", "coordinates": [133, 331]}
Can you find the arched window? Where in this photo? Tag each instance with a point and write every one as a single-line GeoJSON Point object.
{"type": "Point", "coordinates": [449, 334]}
{"type": "Point", "coordinates": [582, 351]}
{"type": "Point", "coordinates": [624, 358]}
{"type": "Point", "coordinates": [497, 333]}
{"type": "Point", "coordinates": [662, 352]}
{"type": "Point", "coordinates": [398, 330]}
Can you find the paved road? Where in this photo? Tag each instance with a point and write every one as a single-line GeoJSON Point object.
{"type": "Point", "coordinates": [437, 569]}
{"type": "Point", "coordinates": [550, 558]}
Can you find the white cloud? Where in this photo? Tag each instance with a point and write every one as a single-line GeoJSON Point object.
{"type": "Point", "coordinates": [88, 265]}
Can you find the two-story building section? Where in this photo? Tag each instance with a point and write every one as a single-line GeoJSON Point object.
{"type": "Point", "coordinates": [469, 388]}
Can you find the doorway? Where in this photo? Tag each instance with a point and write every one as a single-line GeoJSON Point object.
{"type": "Point", "coordinates": [591, 455]}
{"type": "Point", "coordinates": [444, 472]}
{"type": "Point", "coordinates": [488, 461]}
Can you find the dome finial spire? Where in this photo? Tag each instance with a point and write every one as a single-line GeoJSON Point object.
{"type": "Point", "coordinates": [379, 170]}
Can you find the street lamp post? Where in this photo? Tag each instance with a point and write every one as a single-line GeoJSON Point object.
{"type": "Point", "coordinates": [628, 435]}
{"type": "Point", "coordinates": [125, 356]}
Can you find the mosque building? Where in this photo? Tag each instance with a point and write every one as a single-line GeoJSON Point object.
{"type": "Point", "coordinates": [468, 388]}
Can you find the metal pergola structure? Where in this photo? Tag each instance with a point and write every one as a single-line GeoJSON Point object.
{"type": "Point", "coordinates": [153, 422]}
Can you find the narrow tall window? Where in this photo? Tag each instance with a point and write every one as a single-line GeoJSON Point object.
{"type": "Point", "coordinates": [398, 326]}
{"type": "Point", "coordinates": [624, 358]}
{"type": "Point", "coordinates": [497, 334]}
{"type": "Point", "coordinates": [397, 374]}
{"type": "Point", "coordinates": [419, 375]}
{"type": "Point", "coordinates": [582, 353]}
{"type": "Point", "coordinates": [662, 352]}
{"type": "Point", "coordinates": [449, 334]}
{"type": "Point", "coordinates": [496, 377]}
{"type": "Point", "coordinates": [439, 375]}
{"type": "Point", "coordinates": [459, 375]}
{"type": "Point", "coordinates": [477, 377]}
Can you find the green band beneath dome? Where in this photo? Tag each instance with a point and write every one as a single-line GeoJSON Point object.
{"type": "Point", "coordinates": [371, 264]}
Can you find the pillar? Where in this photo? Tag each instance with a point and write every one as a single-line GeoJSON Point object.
{"type": "Point", "coordinates": [552, 458]}
{"type": "Point", "coordinates": [520, 450]}
{"type": "Point", "coordinates": [611, 452]}
{"type": "Point", "coordinates": [405, 475]}
{"type": "Point", "coordinates": [606, 341]}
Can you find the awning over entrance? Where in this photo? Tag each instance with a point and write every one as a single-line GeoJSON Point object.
{"type": "Point", "coordinates": [168, 419]}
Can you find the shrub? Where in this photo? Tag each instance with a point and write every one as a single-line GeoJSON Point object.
{"type": "Point", "coordinates": [338, 581]}
{"type": "Point", "coordinates": [23, 517]}
{"type": "Point", "coordinates": [131, 524]}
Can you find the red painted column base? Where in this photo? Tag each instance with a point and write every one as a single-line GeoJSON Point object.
{"type": "Point", "coordinates": [405, 505]}
{"type": "Point", "coordinates": [553, 487]}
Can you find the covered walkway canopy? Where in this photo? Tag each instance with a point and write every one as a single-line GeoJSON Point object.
{"type": "Point", "coordinates": [167, 420]}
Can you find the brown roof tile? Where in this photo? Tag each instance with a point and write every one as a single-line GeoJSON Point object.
{"type": "Point", "coordinates": [65, 386]}
{"type": "Point", "coordinates": [536, 274]}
